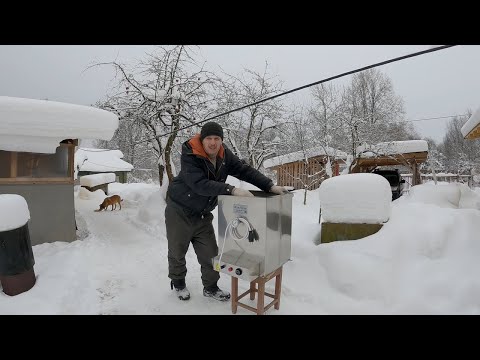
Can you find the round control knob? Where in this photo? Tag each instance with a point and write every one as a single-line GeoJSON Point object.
{"type": "Point", "coordinates": [238, 271]}
{"type": "Point", "coordinates": [230, 268]}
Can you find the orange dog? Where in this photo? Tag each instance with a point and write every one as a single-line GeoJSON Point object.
{"type": "Point", "coordinates": [112, 200]}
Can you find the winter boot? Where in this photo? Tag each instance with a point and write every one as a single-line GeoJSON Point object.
{"type": "Point", "coordinates": [180, 289]}
{"type": "Point", "coordinates": [216, 293]}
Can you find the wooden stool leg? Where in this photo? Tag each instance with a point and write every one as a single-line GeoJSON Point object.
{"type": "Point", "coordinates": [234, 294]}
{"type": "Point", "coordinates": [278, 289]}
{"type": "Point", "coordinates": [261, 297]}
{"type": "Point", "coordinates": [252, 290]}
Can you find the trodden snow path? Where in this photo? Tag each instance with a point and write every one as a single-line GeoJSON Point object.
{"type": "Point", "coordinates": [128, 266]}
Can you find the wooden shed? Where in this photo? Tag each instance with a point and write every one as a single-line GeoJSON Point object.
{"type": "Point", "coordinates": [409, 153]}
{"type": "Point", "coordinates": [101, 161]}
{"type": "Point", "coordinates": [305, 169]}
{"type": "Point", "coordinates": [37, 145]}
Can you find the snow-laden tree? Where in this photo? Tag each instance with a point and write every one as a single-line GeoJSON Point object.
{"type": "Point", "coordinates": [461, 155]}
{"type": "Point", "coordinates": [325, 116]}
{"type": "Point", "coordinates": [436, 159]}
{"type": "Point", "coordinates": [251, 133]}
{"type": "Point", "coordinates": [312, 170]}
{"type": "Point", "coordinates": [371, 111]}
{"type": "Point", "coordinates": [129, 138]}
{"type": "Point", "coordinates": [160, 95]}
{"type": "Point", "coordinates": [327, 122]}
{"type": "Point", "coordinates": [366, 111]}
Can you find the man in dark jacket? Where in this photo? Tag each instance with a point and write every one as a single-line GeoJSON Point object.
{"type": "Point", "coordinates": [193, 194]}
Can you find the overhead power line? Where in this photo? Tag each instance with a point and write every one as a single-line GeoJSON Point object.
{"type": "Point", "coordinates": [418, 53]}
{"type": "Point", "coordinates": [434, 118]}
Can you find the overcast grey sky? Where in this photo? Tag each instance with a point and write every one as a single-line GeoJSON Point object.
{"type": "Point", "coordinates": [441, 83]}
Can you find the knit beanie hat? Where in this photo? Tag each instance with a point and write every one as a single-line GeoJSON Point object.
{"type": "Point", "coordinates": [211, 128]}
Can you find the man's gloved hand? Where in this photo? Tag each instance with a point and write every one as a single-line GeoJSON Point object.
{"type": "Point", "coordinates": [279, 190]}
{"type": "Point", "coordinates": [241, 192]}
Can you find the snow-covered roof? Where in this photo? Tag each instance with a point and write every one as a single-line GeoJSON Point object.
{"type": "Point", "coordinates": [471, 129]}
{"type": "Point", "coordinates": [392, 148]}
{"type": "Point", "coordinates": [39, 126]}
{"type": "Point", "coordinates": [300, 155]}
{"type": "Point", "coordinates": [100, 160]}
{"type": "Point", "coordinates": [97, 179]}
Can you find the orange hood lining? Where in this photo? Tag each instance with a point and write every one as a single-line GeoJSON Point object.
{"type": "Point", "coordinates": [198, 149]}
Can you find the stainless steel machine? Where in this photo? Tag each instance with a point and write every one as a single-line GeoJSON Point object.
{"type": "Point", "coordinates": [254, 234]}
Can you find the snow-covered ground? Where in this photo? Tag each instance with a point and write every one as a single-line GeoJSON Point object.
{"type": "Point", "coordinates": [423, 261]}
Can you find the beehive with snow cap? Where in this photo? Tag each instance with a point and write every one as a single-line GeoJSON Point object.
{"type": "Point", "coordinates": [37, 145]}
{"type": "Point", "coordinates": [353, 206]}
{"type": "Point", "coordinates": [16, 254]}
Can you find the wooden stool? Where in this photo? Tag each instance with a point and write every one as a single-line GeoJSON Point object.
{"type": "Point", "coordinates": [261, 281]}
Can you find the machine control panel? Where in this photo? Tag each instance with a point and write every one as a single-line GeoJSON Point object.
{"type": "Point", "coordinates": [241, 265]}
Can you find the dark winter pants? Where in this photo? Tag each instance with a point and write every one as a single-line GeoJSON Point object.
{"type": "Point", "coordinates": [183, 229]}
